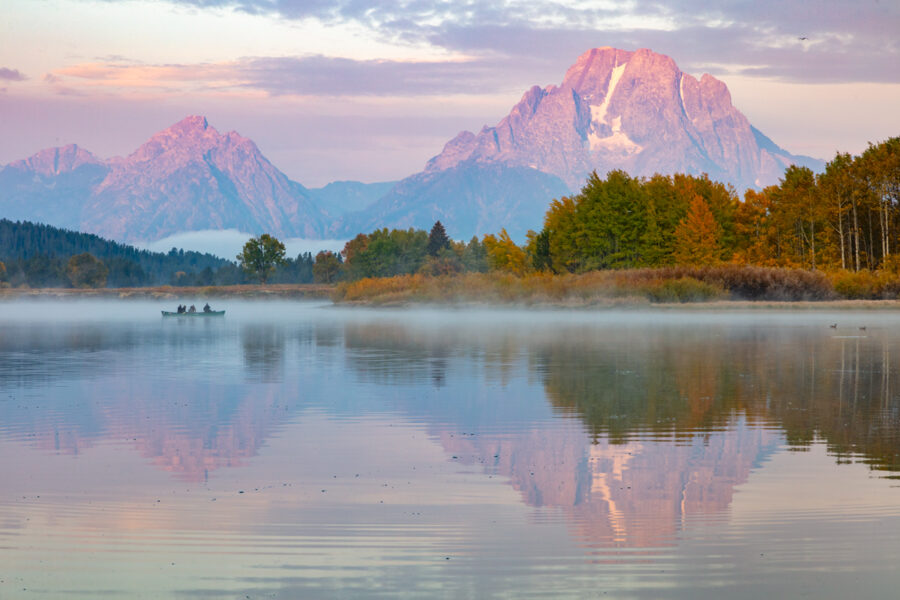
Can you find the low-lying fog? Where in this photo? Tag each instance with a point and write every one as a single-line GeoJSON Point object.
{"type": "Point", "coordinates": [228, 243]}
{"type": "Point", "coordinates": [474, 321]}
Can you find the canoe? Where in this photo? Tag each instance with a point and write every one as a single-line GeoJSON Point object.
{"type": "Point", "coordinates": [199, 313]}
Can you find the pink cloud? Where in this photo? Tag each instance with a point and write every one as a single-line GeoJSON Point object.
{"type": "Point", "coordinates": [11, 74]}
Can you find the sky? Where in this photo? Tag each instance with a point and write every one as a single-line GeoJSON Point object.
{"type": "Point", "coordinates": [369, 91]}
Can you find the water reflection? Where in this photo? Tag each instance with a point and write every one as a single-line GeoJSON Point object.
{"type": "Point", "coordinates": [361, 430]}
{"type": "Point", "coordinates": [263, 347]}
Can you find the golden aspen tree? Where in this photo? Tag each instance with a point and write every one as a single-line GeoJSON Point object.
{"type": "Point", "coordinates": [697, 237]}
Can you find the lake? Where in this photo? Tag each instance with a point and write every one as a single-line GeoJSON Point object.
{"type": "Point", "coordinates": [295, 450]}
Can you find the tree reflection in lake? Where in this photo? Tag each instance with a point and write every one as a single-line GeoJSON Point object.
{"type": "Point", "coordinates": [673, 381]}
{"type": "Point", "coordinates": [533, 447]}
{"type": "Point", "coordinates": [263, 346]}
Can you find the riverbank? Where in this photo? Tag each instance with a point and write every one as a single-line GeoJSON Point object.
{"type": "Point", "coordinates": [595, 288]}
{"type": "Point", "coordinates": [165, 292]}
{"type": "Point", "coordinates": [719, 288]}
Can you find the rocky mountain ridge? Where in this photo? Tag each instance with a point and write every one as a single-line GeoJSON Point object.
{"type": "Point", "coordinates": [635, 111]}
{"type": "Point", "coordinates": [614, 109]}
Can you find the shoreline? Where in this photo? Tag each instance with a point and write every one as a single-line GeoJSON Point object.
{"type": "Point", "coordinates": [277, 291]}
{"type": "Point", "coordinates": [325, 292]}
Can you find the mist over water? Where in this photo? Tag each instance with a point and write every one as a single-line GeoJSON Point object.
{"type": "Point", "coordinates": [305, 450]}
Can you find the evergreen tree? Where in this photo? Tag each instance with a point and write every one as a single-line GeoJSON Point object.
{"type": "Point", "coordinates": [437, 240]}
{"type": "Point", "coordinates": [474, 256]}
{"type": "Point", "coordinates": [539, 250]}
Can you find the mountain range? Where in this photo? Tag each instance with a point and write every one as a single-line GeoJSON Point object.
{"type": "Point", "coordinates": [614, 109]}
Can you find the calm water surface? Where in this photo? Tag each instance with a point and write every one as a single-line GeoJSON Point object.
{"type": "Point", "coordinates": [299, 450]}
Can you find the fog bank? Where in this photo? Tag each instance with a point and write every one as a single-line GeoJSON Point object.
{"type": "Point", "coordinates": [228, 243]}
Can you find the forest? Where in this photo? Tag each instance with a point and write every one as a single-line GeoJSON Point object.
{"type": "Point", "coordinates": [37, 256]}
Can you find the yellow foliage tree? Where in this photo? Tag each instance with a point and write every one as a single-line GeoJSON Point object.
{"type": "Point", "coordinates": [697, 237]}
{"type": "Point", "coordinates": [504, 255]}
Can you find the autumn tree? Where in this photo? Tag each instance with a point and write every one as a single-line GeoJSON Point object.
{"type": "Point", "coordinates": [697, 236]}
{"type": "Point", "coordinates": [385, 253]}
{"type": "Point", "coordinates": [261, 255]}
{"type": "Point", "coordinates": [878, 169]}
{"type": "Point", "coordinates": [561, 231]}
{"type": "Point", "coordinates": [756, 239]}
{"type": "Point", "coordinates": [504, 255]}
{"type": "Point", "coordinates": [327, 268]}
{"type": "Point", "coordinates": [799, 215]}
{"type": "Point", "coordinates": [835, 187]}
{"type": "Point", "coordinates": [86, 271]}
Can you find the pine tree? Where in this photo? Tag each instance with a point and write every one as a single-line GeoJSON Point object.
{"type": "Point", "coordinates": [437, 240]}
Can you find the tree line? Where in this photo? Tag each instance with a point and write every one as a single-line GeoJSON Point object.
{"type": "Point", "coordinates": [845, 218]}
{"type": "Point", "coordinates": [39, 255]}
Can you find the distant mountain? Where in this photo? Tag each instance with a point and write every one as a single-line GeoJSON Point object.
{"type": "Point", "coordinates": [614, 109]}
{"type": "Point", "coordinates": [341, 197]}
{"type": "Point", "coordinates": [51, 187]}
{"type": "Point", "coordinates": [469, 199]}
{"type": "Point", "coordinates": [190, 177]}
{"type": "Point", "coordinates": [626, 110]}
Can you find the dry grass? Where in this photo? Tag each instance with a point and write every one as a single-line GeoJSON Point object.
{"type": "Point", "coordinates": [734, 286]}
{"type": "Point", "coordinates": [666, 285]}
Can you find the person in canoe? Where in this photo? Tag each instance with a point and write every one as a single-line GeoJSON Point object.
{"type": "Point", "coordinates": [180, 309]}
{"type": "Point", "coordinates": [192, 309]}
{"type": "Point", "coordinates": [207, 308]}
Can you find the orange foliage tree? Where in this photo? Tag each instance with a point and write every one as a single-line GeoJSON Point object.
{"type": "Point", "coordinates": [697, 237]}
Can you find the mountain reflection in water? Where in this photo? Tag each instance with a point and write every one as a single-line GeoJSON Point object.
{"type": "Point", "coordinates": [627, 427]}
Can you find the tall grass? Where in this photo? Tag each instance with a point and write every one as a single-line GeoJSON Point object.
{"type": "Point", "coordinates": [671, 285]}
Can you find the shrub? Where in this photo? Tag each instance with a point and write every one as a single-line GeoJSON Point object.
{"type": "Point", "coordinates": [865, 285]}
{"type": "Point", "coordinates": [683, 289]}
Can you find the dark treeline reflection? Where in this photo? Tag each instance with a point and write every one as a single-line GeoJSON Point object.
{"type": "Point", "coordinates": [670, 380]}
{"type": "Point", "coordinates": [675, 381]}
{"type": "Point", "coordinates": [621, 380]}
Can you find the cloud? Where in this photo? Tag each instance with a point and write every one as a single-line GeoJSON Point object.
{"type": "Point", "coordinates": [849, 40]}
{"type": "Point", "coordinates": [304, 76]}
{"type": "Point", "coordinates": [11, 75]}
{"type": "Point", "coordinates": [321, 75]}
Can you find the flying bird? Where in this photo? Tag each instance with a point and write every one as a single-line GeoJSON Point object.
{"type": "Point", "coordinates": [803, 38]}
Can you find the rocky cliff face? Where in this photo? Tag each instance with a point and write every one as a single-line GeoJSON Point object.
{"type": "Point", "coordinates": [624, 110]}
